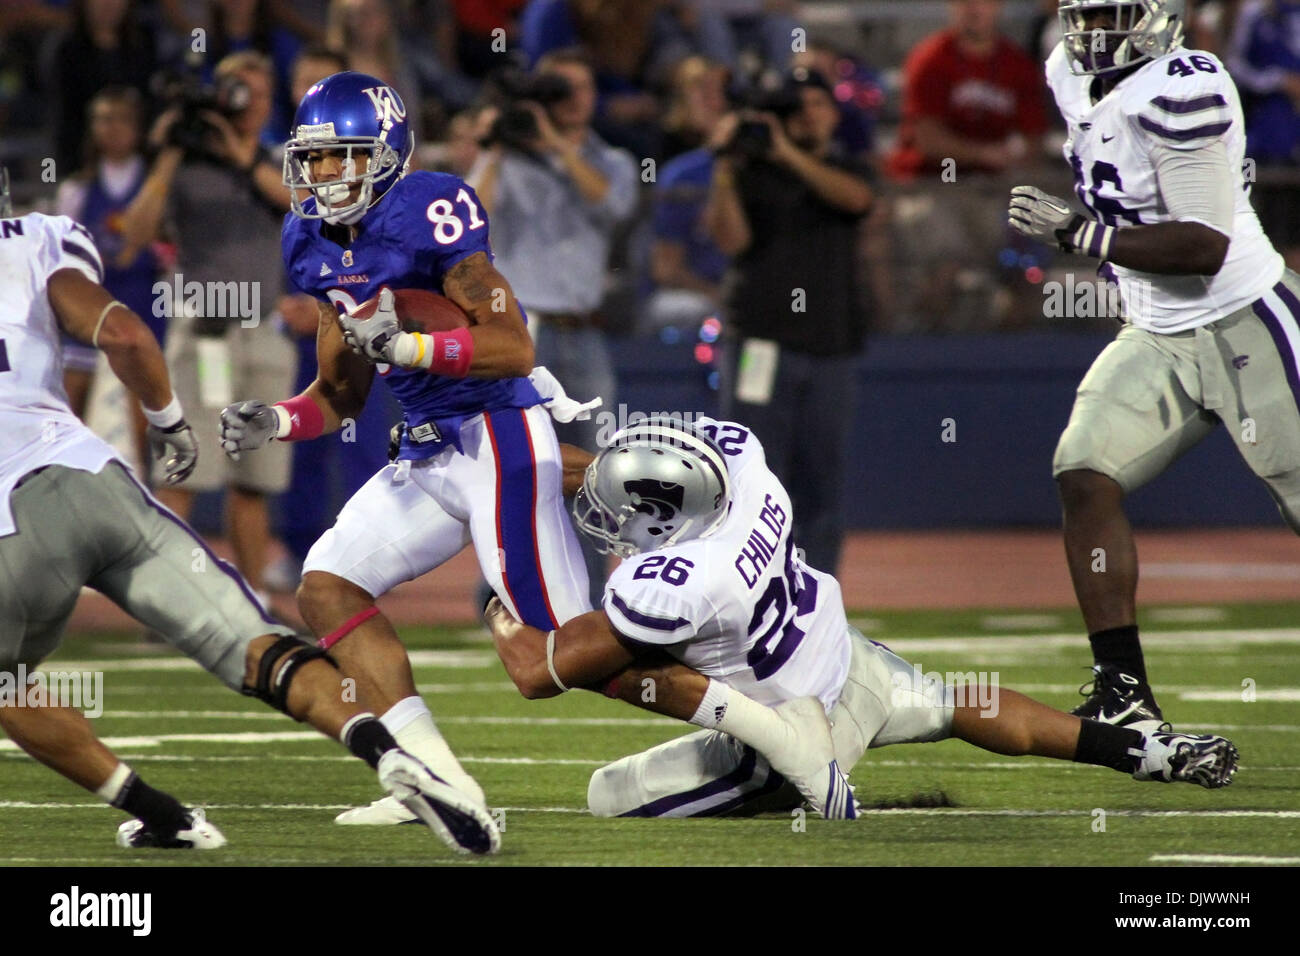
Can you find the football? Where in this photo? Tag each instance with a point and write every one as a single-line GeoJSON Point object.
{"type": "Point", "coordinates": [420, 311]}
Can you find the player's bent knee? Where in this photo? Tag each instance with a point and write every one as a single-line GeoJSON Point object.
{"type": "Point", "coordinates": [322, 594]}
{"type": "Point", "coordinates": [1080, 487]}
{"type": "Point", "coordinates": [270, 669]}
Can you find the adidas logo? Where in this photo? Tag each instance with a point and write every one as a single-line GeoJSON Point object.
{"type": "Point", "coordinates": [719, 712]}
{"type": "Point", "coordinates": [325, 269]}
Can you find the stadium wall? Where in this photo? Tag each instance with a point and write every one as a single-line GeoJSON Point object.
{"type": "Point", "coordinates": [1009, 397]}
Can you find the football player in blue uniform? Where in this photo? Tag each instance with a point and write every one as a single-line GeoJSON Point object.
{"type": "Point", "coordinates": [478, 461]}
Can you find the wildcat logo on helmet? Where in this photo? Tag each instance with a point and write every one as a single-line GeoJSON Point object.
{"type": "Point", "coordinates": [660, 499]}
{"type": "Point", "coordinates": [388, 107]}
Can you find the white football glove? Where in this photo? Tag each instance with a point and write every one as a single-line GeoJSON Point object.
{"type": "Point", "coordinates": [1039, 215]}
{"type": "Point", "coordinates": [176, 448]}
{"type": "Point", "coordinates": [1035, 214]}
{"type": "Point", "coordinates": [374, 338]}
{"type": "Point", "coordinates": [247, 425]}
{"type": "Point", "coordinates": [562, 408]}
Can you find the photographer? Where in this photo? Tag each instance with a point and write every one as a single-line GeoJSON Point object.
{"type": "Point", "coordinates": [788, 210]}
{"type": "Point", "coordinates": [223, 202]}
{"type": "Point", "coordinates": [557, 193]}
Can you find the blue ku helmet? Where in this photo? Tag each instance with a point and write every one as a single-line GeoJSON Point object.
{"type": "Point", "coordinates": [358, 115]}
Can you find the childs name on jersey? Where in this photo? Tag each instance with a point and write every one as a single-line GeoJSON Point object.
{"type": "Point", "coordinates": [758, 550]}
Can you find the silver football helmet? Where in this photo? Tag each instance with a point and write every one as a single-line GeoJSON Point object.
{"type": "Point", "coordinates": [1139, 30]}
{"type": "Point", "coordinates": [659, 482]}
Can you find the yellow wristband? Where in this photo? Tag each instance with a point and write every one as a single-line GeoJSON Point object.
{"type": "Point", "coordinates": [419, 350]}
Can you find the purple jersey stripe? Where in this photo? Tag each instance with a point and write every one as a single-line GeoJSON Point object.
{"type": "Point", "coordinates": [646, 620]}
{"type": "Point", "coordinates": [1280, 341]}
{"type": "Point", "coordinates": [1194, 105]}
{"type": "Point", "coordinates": [1183, 135]}
{"type": "Point", "coordinates": [743, 772]}
{"type": "Point", "coordinates": [90, 258]}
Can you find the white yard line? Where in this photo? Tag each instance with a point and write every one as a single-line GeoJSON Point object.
{"type": "Point", "coordinates": [1224, 858]}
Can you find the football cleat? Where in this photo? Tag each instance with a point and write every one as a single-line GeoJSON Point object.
{"type": "Point", "coordinates": [455, 817]}
{"type": "Point", "coordinates": [199, 835]}
{"type": "Point", "coordinates": [384, 812]}
{"type": "Point", "coordinates": [807, 759]}
{"type": "Point", "coordinates": [1207, 760]}
{"type": "Point", "coordinates": [1119, 698]}
{"type": "Point", "coordinates": [389, 811]}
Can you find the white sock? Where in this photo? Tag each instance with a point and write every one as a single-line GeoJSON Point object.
{"type": "Point", "coordinates": [412, 726]}
{"type": "Point", "coordinates": [726, 709]}
{"type": "Point", "coordinates": [112, 787]}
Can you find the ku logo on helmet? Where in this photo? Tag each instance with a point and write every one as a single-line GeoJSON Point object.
{"type": "Point", "coordinates": [388, 107]}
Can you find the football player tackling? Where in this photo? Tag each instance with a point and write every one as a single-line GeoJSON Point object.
{"type": "Point", "coordinates": [1157, 145]}
{"type": "Point", "coordinates": [712, 577]}
{"type": "Point", "coordinates": [478, 460]}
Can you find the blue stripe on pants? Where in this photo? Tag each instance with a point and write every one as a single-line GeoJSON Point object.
{"type": "Point", "coordinates": [517, 516]}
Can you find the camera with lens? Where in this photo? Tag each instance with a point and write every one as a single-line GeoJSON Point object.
{"type": "Point", "coordinates": [516, 126]}
{"type": "Point", "coordinates": [186, 91]}
{"type": "Point", "coordinates": [753, 137]}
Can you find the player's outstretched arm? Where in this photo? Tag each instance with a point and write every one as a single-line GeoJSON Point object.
{"type": "Point", "coordinates": [580, 653]}
{"type": "Point", "coordinates": [588, 655]}
{"type": "Point", "coordinates": [89, 313]}
{"type": "Point", "coordinates": [338, 393]}
{"type": "Point", "coordinates": [130, 347]}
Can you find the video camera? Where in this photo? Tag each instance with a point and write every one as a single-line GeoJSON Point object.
{"type": "Point", "coordinates": [185, 90]}
{"type": "Point", "coordinates": [509, 89]}
{"type": "Point", "coordinates": [772, 93]}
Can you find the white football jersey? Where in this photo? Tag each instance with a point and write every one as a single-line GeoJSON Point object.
{"type": "Point", "coordinates": [739, 605]}
{"type": "Point", "coordinates": [37, 427]}
{"type": "Point", "coordinates": [1182, 100]}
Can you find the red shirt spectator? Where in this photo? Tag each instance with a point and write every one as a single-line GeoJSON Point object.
{"type": "Point", "coordinates": [481, 17]}
{"type": "Point", "coordinates": [984, 100]}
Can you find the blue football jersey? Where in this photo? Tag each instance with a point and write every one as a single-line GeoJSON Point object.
{"type": "Point", "coordinates": [424, 225]}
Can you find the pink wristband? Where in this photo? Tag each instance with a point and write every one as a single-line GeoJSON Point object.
{"type": "Point", "coordinates": [305, 418]}
{"type": "Point", "coordinates": [452, 352]}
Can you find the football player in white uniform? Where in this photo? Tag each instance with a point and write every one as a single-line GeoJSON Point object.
{"type": "Point", "coordinates": [712, 579]}
{"type": "Point", "coordinates": [1212, 316]}
{"type": "Point", "coordinates": [72, 514]}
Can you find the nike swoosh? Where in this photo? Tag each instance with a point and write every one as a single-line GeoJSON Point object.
{"type": "Point", "coordinates": [1116, 718]}
{"type": "Point", "coordinates": [1105, 138]}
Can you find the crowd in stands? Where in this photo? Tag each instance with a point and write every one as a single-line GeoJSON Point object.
{"type": "Point", "coordinates": [91, 91]}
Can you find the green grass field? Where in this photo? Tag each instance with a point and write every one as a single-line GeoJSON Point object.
{"type": "Point", "coordinates": [274, 790]}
